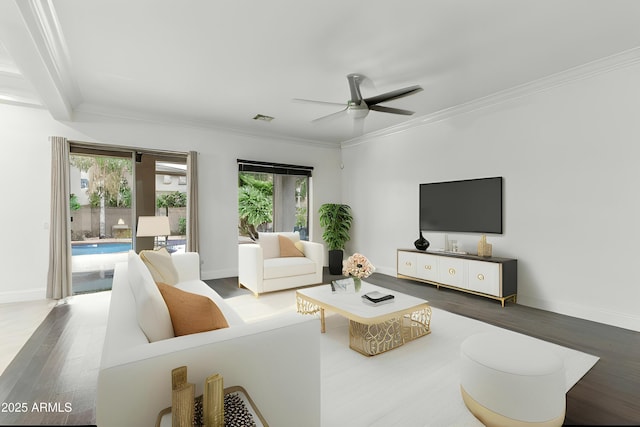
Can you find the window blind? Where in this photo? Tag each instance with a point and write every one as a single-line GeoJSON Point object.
{"type": "Point", "coordinates": [277, 168]}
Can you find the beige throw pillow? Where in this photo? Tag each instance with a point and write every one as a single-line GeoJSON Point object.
{"type": "Point", "coordinates": [269, 244]}
{"type": "Point", "coordinates": [191, 313]}
{"type": "Point", "coordinates": [288, 248]}
{"type": "Point", "coordinates": [161, 266]}
{"type": "Point", "coordinates": [151, 310]}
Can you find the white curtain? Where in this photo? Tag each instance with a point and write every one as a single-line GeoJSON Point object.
{"type": "Point", "coordinates": [193, 240]}
{"type": "Point", "coordinates": [59, 276]}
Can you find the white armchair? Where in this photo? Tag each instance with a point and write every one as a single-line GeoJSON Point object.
{"type": "Point", "coordinates": [261, 268]}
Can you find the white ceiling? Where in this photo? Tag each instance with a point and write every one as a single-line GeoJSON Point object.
{"type": "Point", "coordinates": [219, 63]}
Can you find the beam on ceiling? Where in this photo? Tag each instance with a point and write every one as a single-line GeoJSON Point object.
{"type": "Point", "coordinates": [31, 34]}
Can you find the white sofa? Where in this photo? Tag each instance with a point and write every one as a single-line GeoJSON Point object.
{"type": "Point", "coordinates": [276, 360]}
{"type": "Point", "coordinates": [262, 269]}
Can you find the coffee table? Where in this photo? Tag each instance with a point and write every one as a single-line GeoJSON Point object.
{"type": "Point", "coordinates": [372, 329]}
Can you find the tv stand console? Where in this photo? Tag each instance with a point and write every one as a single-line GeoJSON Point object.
{"type": "Point", "coordinates": [490, 277]}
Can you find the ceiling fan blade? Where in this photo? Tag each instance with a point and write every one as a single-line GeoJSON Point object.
{"type": "Point", "coordinates": [384, 109]}
{"type": "Point", "coordinates": [400, 93]}
{"type": "Point", "coordinates": [311, 101]}
{"type": "Point", "coordinates": [329, 116]}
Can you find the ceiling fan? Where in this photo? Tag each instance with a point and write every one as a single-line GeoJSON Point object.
{"type": "Point", "coordinates": [359, 107]}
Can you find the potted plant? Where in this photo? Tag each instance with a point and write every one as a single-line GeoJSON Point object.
{"type": "Point", "coordinates": [336, 220]}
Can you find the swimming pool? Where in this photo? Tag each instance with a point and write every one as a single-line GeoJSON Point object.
{"type": "Point", "coordinates": [100, 248]}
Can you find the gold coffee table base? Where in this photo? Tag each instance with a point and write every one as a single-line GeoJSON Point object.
{"type": "Point", "coordinates": [378, 337]}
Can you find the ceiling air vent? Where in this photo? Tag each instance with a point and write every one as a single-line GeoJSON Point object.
{"type": "Point", "coordinates": [263, 118]}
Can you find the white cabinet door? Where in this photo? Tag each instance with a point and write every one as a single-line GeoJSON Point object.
{"type": "Point", "coordinates": [427, 267]}
{"type": "Point", "coordinates": [451, 271]}
{"type": "Point", "coordinates": [484, 277]}
{"type": "Point", "coordinates": [407, 263]}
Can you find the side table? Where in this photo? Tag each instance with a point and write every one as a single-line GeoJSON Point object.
{"type": "Point", "coordinates": [164, 417]}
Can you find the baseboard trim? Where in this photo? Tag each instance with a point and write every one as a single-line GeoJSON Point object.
{"type": "Point", "coordinates": [218, 274]}
{"type": "Point", "coordinates": [23, 295]}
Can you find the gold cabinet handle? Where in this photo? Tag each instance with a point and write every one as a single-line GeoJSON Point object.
{"type": "Point", "coordinates": [452, 271]}
{"type": "Point", "coordinates": [480, 276]}
{"type": "Point", "coordinates": [427, 267]}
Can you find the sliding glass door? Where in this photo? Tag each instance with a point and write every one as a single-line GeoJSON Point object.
{"type": "Point", "coordinates": [110, 188]}
{"type": "Point", "coordinates": [101, 218]}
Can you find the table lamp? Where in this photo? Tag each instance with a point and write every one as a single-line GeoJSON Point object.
{"type": "Point", "coordinates": [153, 226]}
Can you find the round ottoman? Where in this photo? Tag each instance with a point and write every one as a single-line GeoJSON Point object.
{"type": "Point", "coordinates": [512, 381]}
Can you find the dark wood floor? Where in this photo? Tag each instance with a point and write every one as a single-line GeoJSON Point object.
{"type": "Point", "coordinates": [60, 361]}
{"type": "Point", "coordinates": [609, 394]}
{"type": "Point", "coordinates": [57, 368]}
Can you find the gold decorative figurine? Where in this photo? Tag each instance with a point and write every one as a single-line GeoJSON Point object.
{"type": "Point", "coordinates": [182, 398]}
{"type": "Point", "coordinates": [484, 248]}
{"type": "Point", "coordinates": [213, 401]}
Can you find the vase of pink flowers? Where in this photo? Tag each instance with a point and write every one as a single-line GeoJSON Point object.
{"type": "Point", "coordinates": [358, 267]}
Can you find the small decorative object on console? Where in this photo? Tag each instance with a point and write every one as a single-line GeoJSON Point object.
{"type": "Point", "coordinates": [421, 244]}
{"type": "Point", "coordinates": [484, 248]}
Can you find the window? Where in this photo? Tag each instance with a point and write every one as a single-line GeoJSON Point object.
{"type": "Point", "coordinates": [272, 197]}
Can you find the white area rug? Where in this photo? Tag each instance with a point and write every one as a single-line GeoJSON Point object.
{"type": "Point", "coordinates": [414, 385]}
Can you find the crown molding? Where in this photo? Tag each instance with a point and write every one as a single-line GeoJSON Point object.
{"type": "Point", "coordinates": [604, 65]}
{"type": "Point", "coordinates": [20, 101]}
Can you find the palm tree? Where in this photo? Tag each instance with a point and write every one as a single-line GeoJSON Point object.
{"type": "Point", "coordinates": [255, 208]}
{"type": "Point", "coordinates": [255, 203]}
{"type": "Point", "coordinates": [107, 182]}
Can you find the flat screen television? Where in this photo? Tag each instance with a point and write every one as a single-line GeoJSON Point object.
{"type": "Point", "coordinates": [472, 206]}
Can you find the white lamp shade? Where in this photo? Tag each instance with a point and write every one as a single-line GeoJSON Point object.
{"type": "Point", "coordinates": [151, 226]}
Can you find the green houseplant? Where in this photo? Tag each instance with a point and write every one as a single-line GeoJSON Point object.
{"type": "Point", "coordinates": [336, 220]}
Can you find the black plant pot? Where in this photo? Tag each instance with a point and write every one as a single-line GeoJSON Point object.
{"type": "Point", "coordinates": [421, 244]}
{"type": "Point", "coordinates": [335, 261]}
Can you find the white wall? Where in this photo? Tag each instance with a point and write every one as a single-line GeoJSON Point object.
{"type": "Point", "coordinates": [25, 165]}
{"type": "Point", "coordinates": [569, 158]}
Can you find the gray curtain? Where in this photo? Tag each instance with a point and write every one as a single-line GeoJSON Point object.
{"type": "Point", "coordinates": [59, 276]}
{"type": "Point", "coordinates": [193, 240]}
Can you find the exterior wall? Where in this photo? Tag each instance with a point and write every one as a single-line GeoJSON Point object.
{"type": "Point", "coordinates": [86, 222]}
